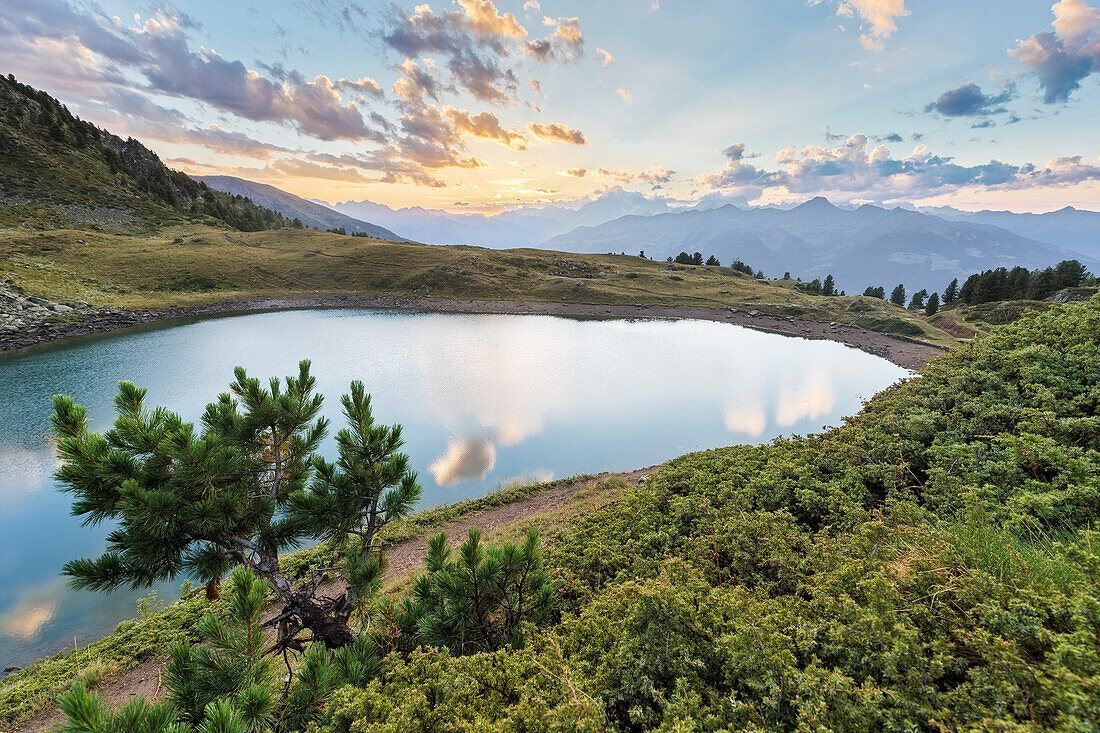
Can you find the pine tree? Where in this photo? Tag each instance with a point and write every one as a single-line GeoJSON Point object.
{"type": "Point", "coordinates": [226, 684]}
{"type": "Point", "coordinates": [1070, 274]}
{"type": "Point", "coordinates": [713, 261]}
{"type": "Point", "coordinates": [969, 287]}
{"type": "Point", "coordinates": [322, 672]}
{"type": "Point", "coordinates": [234, 492]}
{"type": "Point", "coordinates": [951, 294]}
{"type": "Point", "coordinates": [897, 296]}
{"type": "Point", "coordinates": [697, 258]}
{"type": "Point", "coordinates": [933, 305]}
{"type": "Point", "coordinates": [829, 286]}
{"type": "Point", "coordinates": [1043, 284]}
{"type": "Point", "coordinates": [479, 601]}
{"type": "Point", "coordinates": [231, 665]}
{"type": "Point", "coordinates": [87, 713]}
{"type": "Point", "coordinates": [917, 303]}
{"type": "Point", "coordinates": [875, 292]}
{"type": "Point", "coordinates": [1017, 283]}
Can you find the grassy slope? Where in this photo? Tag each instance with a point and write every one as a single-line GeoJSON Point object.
{"type": "Point", "coordinates": [188, 264]}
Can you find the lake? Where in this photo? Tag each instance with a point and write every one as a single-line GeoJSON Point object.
{"type": "Point", "coordinates": [484, 400]}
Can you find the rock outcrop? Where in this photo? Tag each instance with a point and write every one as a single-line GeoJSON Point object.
{"type": "Point", "coordinates": [18, 312]}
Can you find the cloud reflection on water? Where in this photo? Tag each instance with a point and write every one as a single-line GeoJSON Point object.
{"type": "Point", "coordinates": [32, 609]}
{"type": "Point", "coordinates": [812, 397]}
{"type": "Point", "coordinates": [746, 419]}
{"type": "Point", "coordinates": [469, 458]}
{"type": "Point", "coordinates": [24, 471]}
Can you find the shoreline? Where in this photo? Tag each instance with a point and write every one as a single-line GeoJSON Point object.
{"type": "Point", "coordinates": [903, 352]}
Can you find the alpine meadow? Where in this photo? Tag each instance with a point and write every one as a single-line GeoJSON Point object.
{"type": "Point", "coordinates": [504, 365]}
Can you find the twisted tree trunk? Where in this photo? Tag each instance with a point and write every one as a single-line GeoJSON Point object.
{"type": "Point", "coordinates": [301, 608]}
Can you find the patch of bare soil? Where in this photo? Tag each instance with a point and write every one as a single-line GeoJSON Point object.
{"type": "Point", "coordinates": [401, 560]}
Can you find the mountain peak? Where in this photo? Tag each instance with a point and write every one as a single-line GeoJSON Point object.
{"type": "Point", "coordinates": [817, 203]}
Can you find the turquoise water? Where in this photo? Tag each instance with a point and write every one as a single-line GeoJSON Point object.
{"type": "Point", "coordinates": [484, 400]}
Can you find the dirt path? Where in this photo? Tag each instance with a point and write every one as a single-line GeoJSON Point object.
{"type": "Point", "coordinates": [402, 559]}
{"type": "Point", "coordinates": [903, 352]}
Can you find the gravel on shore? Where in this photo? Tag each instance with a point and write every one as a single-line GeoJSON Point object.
{"type": "Point", "coordinates": [905, 353]}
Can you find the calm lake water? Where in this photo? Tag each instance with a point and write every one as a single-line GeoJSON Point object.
{"type": "Point", "coordinates": [484, 400]}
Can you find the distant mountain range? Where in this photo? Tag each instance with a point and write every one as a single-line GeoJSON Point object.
{"type": "Point", "coordinates": [308, 212]}
{"type": "Point", "coordinates": [525, 227]}
{"type": "Point", "coordinates": [868, 245]}
{"type": "Point", "coordinates": [1068, 227]}
{"type": "Point", "coordinates": [859, 246]}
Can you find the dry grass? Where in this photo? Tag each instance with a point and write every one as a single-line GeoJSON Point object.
{"type": "Point", "coordinates": [191, 264]}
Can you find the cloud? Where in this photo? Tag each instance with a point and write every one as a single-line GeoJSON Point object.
{"type": "Point", "coordinates": [220, 140]}
{"type": "Point", "coordinates": [158, 50]}
{"type": "Point", "coordinates": [415, 84]}
{"type": "Point", "coordinates": [1060, 60]}
{"type": "Point", "coordinates": [857, 171]}
{"type": "Point", "coordinates": [475, 40]}
{"type": "Point", "coordinates": [485, 125]}
{"type": "Point", "coordinates": [574, 172]}
{"type": "Point", "coordinates": [565, 42]}
{"type": "Point", "coordinates": [969, 100]}
{"type": "Point", "coordinates": [655, 175]}
{"type": "Point", "coordinates": [348, 168]}
{"type": "Point", "coordinates": [309, 169]}
{"type": "Point", "coordinates": [624, 94]}
{"type": "Point", "coordinates": [115, 69]}
{"type": "Point", "coordinates": [604, 57]}
{"type": "Point", "coordinates": [532, 6]}
{"type": "Point", "coordinates": [814, 397]}
{"type": "Point", "coordinates": [878, 16]}
{"type": "Point", "coordinates": [555, 131]}
{"type": "Point", "coordinates": [313, 106]}
{"type": "Point", "coordinates": [738, 173]}
{"type": "Point", "coordinates": [483, 18]}
{"type": "Point", "coordinates": [366, 85]}
{"type": "Point", "coordinates": [130, 113]}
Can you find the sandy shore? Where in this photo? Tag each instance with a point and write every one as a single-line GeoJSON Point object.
{"type": "Point", "coordinates": [904, 353]}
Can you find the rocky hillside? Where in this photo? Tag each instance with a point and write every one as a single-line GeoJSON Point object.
{"type": "Point", "coordinates": [60, 171]}
{"type": "Point", "coordinates": [18, 311]}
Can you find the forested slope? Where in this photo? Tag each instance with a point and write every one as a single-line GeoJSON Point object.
{"type": "Point", "coordinates": [57, 171]}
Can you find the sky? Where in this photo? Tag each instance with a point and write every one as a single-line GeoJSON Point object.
{"type": "Point", "coordinates": [483, 105]}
